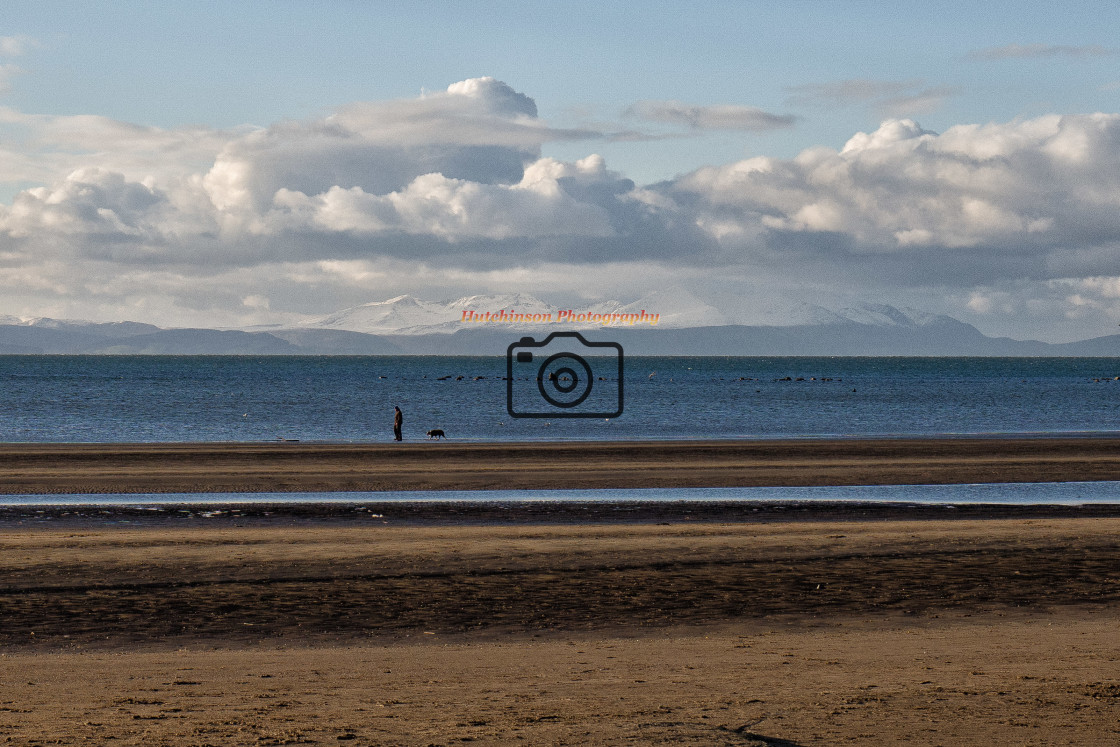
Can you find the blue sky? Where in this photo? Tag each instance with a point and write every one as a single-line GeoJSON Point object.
{"type": "Point", "coordinates": [165, 161]}
{"type": "Point", "coordinates": [227, 64]}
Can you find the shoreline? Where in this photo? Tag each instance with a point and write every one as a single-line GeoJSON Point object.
{"type": "Point", "coordinates": [57, 468]}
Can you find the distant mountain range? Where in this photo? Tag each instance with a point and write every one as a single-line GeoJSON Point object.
{"type": "Point", "coordinates": [684, 325]}
{"type": "Point", "coordinates": [406, 315]}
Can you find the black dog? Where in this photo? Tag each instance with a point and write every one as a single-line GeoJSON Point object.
{"type": "Point", "coordinates": [436, 433]}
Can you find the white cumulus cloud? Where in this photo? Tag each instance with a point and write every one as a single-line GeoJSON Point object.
{"type": "Point", "coordinates": [980, 195]}
{"type": "Point", "coordinates": [451, 188]}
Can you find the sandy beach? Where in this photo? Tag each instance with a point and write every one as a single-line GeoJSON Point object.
{"type": "Point", "coordinates": [704, 624]}
{"type": "Point", "coordinates": [919, 631]}
{"type": "Point", "coordinates": [288, 466]}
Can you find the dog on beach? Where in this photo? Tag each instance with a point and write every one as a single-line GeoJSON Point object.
{"type": "Point", "coordinates": [436, 433]}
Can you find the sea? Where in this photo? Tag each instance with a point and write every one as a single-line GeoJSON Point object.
{"type": "Point", "coordinates": [107, 399]}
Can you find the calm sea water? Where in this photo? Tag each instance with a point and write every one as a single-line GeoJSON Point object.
{"type": "Point", "coordinates": [244, 398]}
{"type": "Point", "coordinates": [1063, 493]}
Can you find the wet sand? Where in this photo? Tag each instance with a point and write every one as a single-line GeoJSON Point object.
{"type": "Point", "coordinates": [287, 467]}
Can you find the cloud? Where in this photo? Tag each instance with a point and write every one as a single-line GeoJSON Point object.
{"type": "Point", "coordinates": [725, 117]}
{"type": "Point", "coordinates": [13, 46]}
{"type": "Point", "coordinates": [16, 46]}
{"type": "Point", "coordinates": [1038, 51]}
{"type": "Point", "coordinates": [888, 97]}
{"type": "Point", "coordinates": [450, 189]}
{"type": "Point", "coordinates": [46, 149]}
{"type": "Point", "coordinates": [1059, 309]}
{"type": "Point", "coordinates": [967, 206]}
{"type": "Point", "coordinates": [479, 130]}
{"type": "Point", "coordinates": [921, 101]}
{"type": "Point", "coordinates": [456, 175]}
{"type": "Point", "coordinates": [501, 97]}
{"type": "Point", "coordinates": [453, 210]}
{"type": "Point", "coordinates": [850, 91]}
{"type": "Point", "coordinates": [7, 72]}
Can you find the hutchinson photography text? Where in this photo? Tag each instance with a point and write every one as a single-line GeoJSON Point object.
{"type": "Point", "coordinates": [568, 316]}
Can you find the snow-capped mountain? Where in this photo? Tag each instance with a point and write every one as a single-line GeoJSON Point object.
{"type": "Point", "coordinates": [384, 317]}
{"type": "Point", "coordinates": [677, 308]}
{"type": "Point", "coordinates": [38, 321]}
{"type": "Point", "coordinates": [407, 315]}
{"type": "Point", "coordinates": [522, 302]}
{"type": "Point", "coordinates": [106, 329]}
{"type": "Point", "coordinates": [870, 314]}
{"type": "Point", "coordinates": [686, 325]}
{"type": "Point", "coordinates": [882, 315]}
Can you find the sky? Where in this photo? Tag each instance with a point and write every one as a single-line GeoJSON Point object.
{"type": "Point", "coordinates": [233, 164]}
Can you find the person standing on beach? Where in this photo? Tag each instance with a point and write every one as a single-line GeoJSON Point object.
{"type": "Point", "coordinates": [398, 421]}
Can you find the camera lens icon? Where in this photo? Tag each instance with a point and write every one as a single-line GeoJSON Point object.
{"type": "Point", "coordinates": [559, 374]}
{"type": "Point", "coordinates": [547, 379]}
